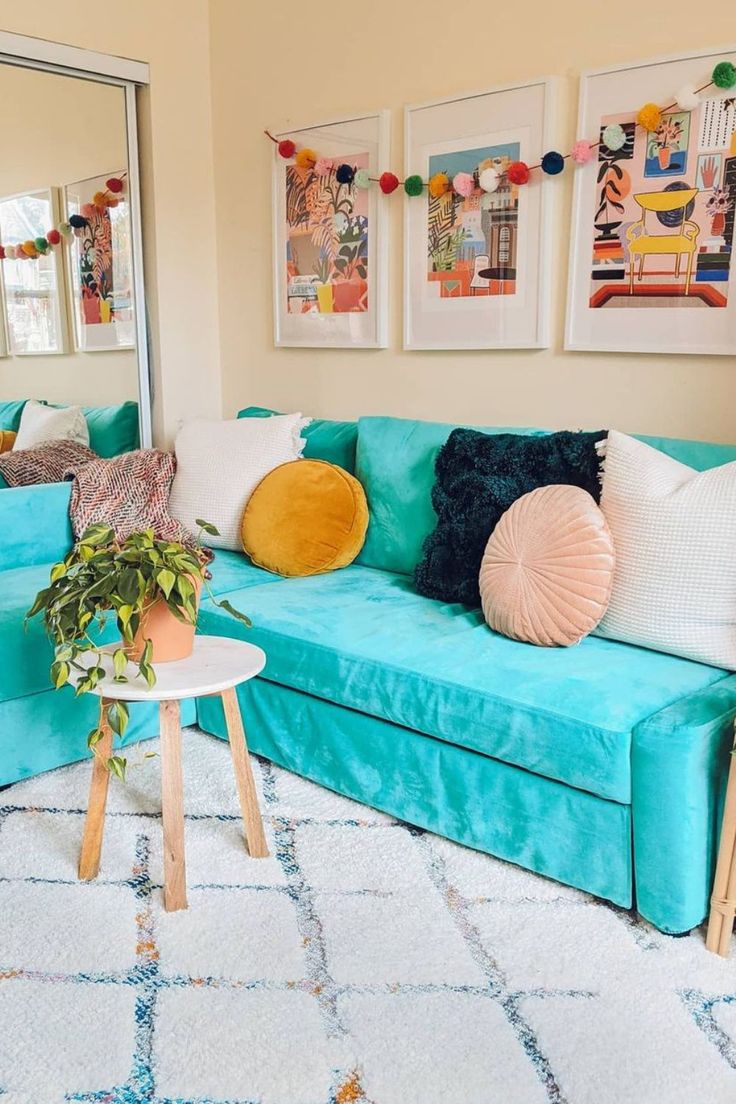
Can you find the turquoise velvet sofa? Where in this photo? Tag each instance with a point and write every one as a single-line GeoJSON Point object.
{"type": "Point", "coordinates": [602, 766]}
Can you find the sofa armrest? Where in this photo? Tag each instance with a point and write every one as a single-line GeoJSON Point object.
{"type": "Point", "coordinates": [678, 773]}
{"type": "Point", "coordinates": [34, 524]}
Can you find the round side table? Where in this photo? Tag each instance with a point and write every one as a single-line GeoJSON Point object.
{"type": "Point", "coordinates": [216, 666]}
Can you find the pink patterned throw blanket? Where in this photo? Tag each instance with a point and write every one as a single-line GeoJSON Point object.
{"type": "Point", "coordinates": [47, 463]}
{"type": "Point", "coordinates": [129, 493]}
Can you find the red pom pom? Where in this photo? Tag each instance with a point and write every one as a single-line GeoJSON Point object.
{"type": "Point", "coordinates": [287, 148]}
{"type": "Point", "coordinates": [518, 172]}
{"type": "Point", "coordinates": [2, 253]}
{"type": "Point", "coordinates": [388, 182]}
{"type": "Point", "coordinates": [53, 237]}
{"type": "Point", "coordinates": [114, 184]}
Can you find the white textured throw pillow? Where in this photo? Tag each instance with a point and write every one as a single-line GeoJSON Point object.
{"type": "Point", "coordinates": [219, 465]}
{"type": "Point", "coordinates": [674, 532]}
{"type": "Point", "coordinates": [40, 423]}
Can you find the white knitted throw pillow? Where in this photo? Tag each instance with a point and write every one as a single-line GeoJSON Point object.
{"type": "Point", "coordinates": [674, 533]}
{"type": "Point", "coordinates": [220, 463]}
{"type": "Point", "coordinates": [40, 423]}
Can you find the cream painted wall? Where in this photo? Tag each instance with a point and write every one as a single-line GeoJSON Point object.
{"type": "Point", "coordinates": [279, 67]}
{"type": "Point", "coordinates": [178, 185]}
{"type": "Point", "coordinates": [62, 129]}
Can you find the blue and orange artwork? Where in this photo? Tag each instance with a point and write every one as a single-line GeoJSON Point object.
{"type": "Point", "coordinates": [472, 240]}
{"type": "Point", "coordinates": [326, 240]}
{"type": "Point", "coordinates": [665, 201]}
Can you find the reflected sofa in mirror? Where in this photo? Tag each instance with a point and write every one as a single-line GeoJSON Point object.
{"type": "Point", "coordinates": [68, 326]}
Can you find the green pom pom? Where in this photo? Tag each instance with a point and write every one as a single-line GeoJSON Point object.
{"type": "Point", "coordinates": [362, 178]}
{"type": "Point", "coordinates": [724, 75]}
{"type": "Point", "coordinates": [41, 244]}
{"type": "Point", "coordinates": [413, 185]}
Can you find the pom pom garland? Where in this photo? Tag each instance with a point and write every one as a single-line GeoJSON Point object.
{"type": "Point", "coordinates": [41, 245]}
{"type": "Point", "coordinates": [77, 222]}
{"type": "Point", "coordinates": [687, 97]}
{"type": "Point", "coordinates": [323, 166]}
{"type": "Point", "coordinates": [286, 148]}
{"type": "Point", "coordinates": [413, 185]}
{"type": "Point", "coordinates": [100, 200]}
{"type": "Point", "coordinates": [362, 179]}
{"type": "Point", "coordinates": [438, 185]}
{"type": "Point", "coordinates": [388, 182]}
{"type": "Point", "coordinates": [614, 137]}
{"type": "Point", "coordinates": [518, 172]}
{"type": "Point", "coordinates": [8, 252]}
{"type": "Point", "coordinates": [53, 237]}
{"type": "Point", "coordinates": [463, 183]}
{"type": "Point", "coordinates": [649, 117]}
{"type": "Point", "coordinates": [724, 75]}
{"type": "Point", "coordinates": [345, 174]}
{"type": "Point", "coordinates": [29, 248]}
{"type": "Point", "coordinates": [553, 163]}
{"type": "Point", "coordinates": [65, 229]}
{"type": "Point", "coordinates": [306, 158]}
{"type": "Point", "coordinates": [114, 185]}
{"type": "Point", "coordinates": [489, 180]}
{"type": "Point", "coordinates": [581, 152]}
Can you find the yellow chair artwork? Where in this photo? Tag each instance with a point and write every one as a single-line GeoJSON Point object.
{"type": "Point", "coordinates": [681, 243]}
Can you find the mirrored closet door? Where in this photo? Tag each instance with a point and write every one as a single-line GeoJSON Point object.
{"type": "Point", "coordinates": [72, 315]}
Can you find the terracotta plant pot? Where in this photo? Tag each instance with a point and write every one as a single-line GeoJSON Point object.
{"type": "Point", "coordinates": [171, 638]}
{"type": "Point", "coordinates": [665, 156]}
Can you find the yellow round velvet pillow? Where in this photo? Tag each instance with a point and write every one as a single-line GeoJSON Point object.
{"type": "Point", "coordinates": [306, 517]}
{"type": "Point", "coordinates": [7, 440]}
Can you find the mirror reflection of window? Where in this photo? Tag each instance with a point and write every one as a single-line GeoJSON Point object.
{"type": "Point", "coordinates": [33, 287]}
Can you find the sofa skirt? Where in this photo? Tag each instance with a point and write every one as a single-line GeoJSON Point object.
{"type": "Point", "coordinates": [540, 824]}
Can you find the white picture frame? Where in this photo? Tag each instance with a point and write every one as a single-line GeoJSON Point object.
{"type": "Point", "coordinates": [604, 270]}
{"type": "Point", "coordinates": [456, 308]}
{"type": "Point", "coordinates": [120, 331]}
{"type": "Point", "coordinates": [325, 306]}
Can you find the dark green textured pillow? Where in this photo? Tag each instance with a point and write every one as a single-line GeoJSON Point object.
{"type": "Point", "coordinates": [478, 476]}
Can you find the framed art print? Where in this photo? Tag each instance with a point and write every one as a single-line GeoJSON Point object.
{"type": "Point", "coordinates": [101, 269]}
{"type": "Point", "coordinates": [475, 266]}
{"type": "Point", "coordinates": [330, 257]}
{"type": "Point", "coordinates": [652, 234]}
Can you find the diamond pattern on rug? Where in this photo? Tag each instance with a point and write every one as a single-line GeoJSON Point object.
{"type": "Point", "coordinates": [364, 962]}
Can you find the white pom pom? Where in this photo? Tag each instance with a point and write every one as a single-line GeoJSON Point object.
{"type": "Point", "coordinates": [488, 180]}
{"type": "Point", "coordinates": [10, 252]}
{"type": "Point", "coordinates": [687, 98]}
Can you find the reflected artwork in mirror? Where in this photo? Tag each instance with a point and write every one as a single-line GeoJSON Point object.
{"type": "Point", "coordinates": [70, 265]}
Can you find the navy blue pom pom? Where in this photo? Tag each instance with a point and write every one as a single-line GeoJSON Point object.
{"type": "Point", "coordinates": [345, 174]}
{"type": "Point", "coordinates": [553, 163]}
{"type": "Point", "coordinates": [78, 221]}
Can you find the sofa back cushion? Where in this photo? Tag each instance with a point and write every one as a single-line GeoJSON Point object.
{"type": "Point", "coordinates": [10, 413]}
{"type": "Point", "coordinates": [113, 430]}
{"type": "Point", "coordinates": [395, 463]}
{"type": "Point", "coordinates": [334, 442]}
{"type": "Point", "coordinates": [34, 525]}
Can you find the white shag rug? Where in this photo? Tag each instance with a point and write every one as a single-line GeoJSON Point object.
{"type": "Point", "coordinates": [365, 962]}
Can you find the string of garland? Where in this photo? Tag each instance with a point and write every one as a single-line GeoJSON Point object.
{"type": "Point", "coordinates": [75, 226]}
{"type": "Point", "coordinates": [650, 117]}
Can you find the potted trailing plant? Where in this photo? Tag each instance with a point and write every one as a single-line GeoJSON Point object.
{"type": "Point", "coordinates": [151, 587]}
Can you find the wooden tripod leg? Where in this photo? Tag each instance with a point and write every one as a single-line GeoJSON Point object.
{"type": "Point", "coordinates": [723, 900]}
{"type": "Point", "coordinates": [94, 824]}
{"type": "Point", "coordinates": [252, 822]}
{"type": "Point", "coordinates": [172, 808]}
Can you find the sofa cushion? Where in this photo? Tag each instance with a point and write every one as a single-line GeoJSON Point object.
{"type": "Point", "coordinates": [395, 464]}
{"type": "Point", "coordinates": [10, 413]}
{"type": "Point", "coordinates": [364, 639]}
{"type": "Point", "coordinates": [113, 430]}
{"type": "Point", "coordinates": [334, 442]}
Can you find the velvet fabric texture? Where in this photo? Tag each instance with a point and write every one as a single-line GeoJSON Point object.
{"type": "Point", "coordinates": [7, 439]}
{"type": "Point", "coordinates": [306, 517]}
{"type": "Point", "coordinates": [478, 476]}
{"type": "Point", "coordinates": [547, 570]}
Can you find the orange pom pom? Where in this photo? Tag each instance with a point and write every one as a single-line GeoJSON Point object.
{"type": "Point", "coordinates": [29, 248]}
{"type": "Point", "coordinates": [439, 184]}
{"type": "Point", "coordinates": [306, 158]}
{"type": "Point", "coordinates": [100, 200]}
{"type": "Point", "coordinates": [649, 117]}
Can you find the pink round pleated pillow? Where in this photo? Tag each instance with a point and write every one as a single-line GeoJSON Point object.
{"type": "Point", "coordinates": [547, 569]}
